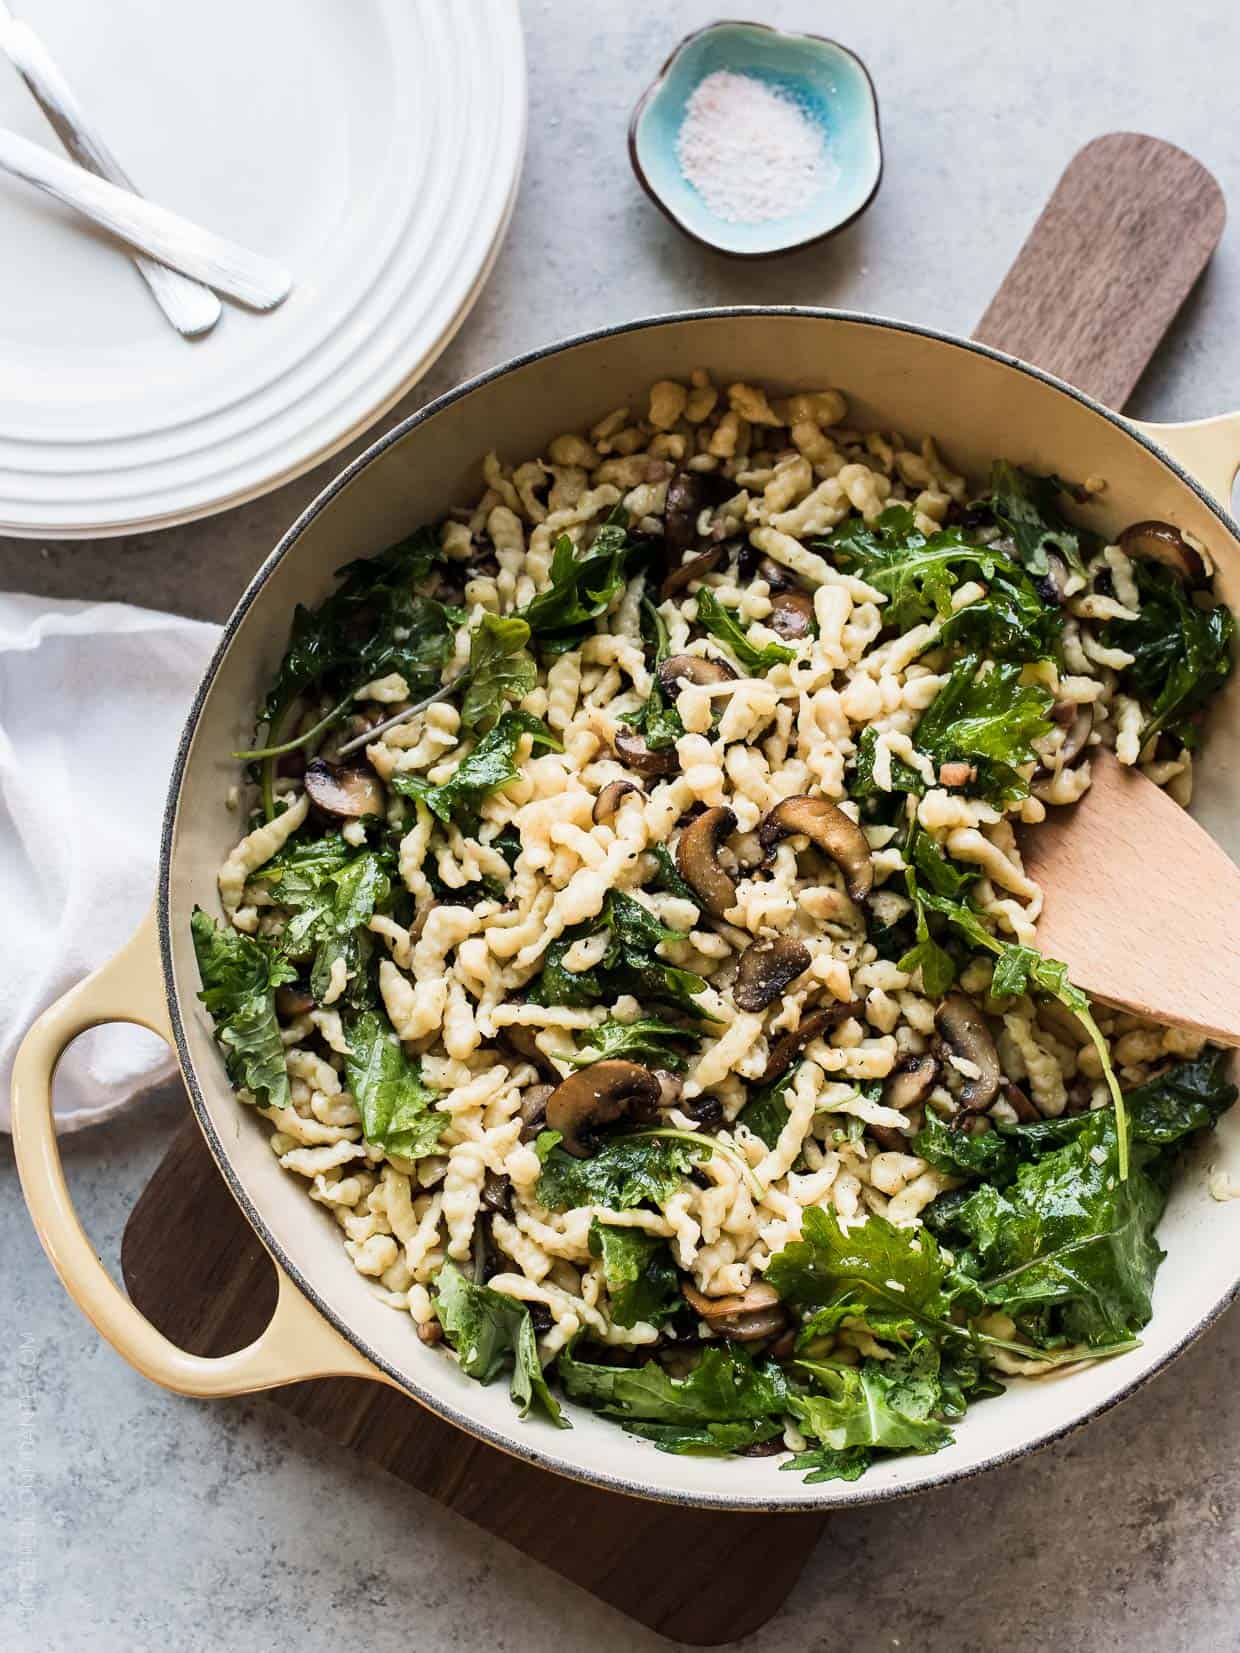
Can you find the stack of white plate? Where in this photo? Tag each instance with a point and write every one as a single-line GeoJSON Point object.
{"type": "Point", "coordinates": [373, 147]}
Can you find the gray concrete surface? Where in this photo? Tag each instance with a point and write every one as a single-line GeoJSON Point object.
{"type": "Point", "coordinates": [147, 1522]}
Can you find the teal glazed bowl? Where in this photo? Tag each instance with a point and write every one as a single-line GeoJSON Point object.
{"type": "Point", "coordinates": [827, 81]}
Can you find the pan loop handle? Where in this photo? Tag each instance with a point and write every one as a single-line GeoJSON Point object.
{"type": "Point", "coordinates": [1208, 449]}
{"type": "Point", "coordinates": [297, 1343]}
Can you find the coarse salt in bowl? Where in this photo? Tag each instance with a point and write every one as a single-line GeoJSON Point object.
{"type": "Point", "coordinates": [756, 142]}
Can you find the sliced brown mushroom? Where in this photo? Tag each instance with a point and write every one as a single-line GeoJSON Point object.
{"type": "Point", "coordinates": [962, 1027]}
{"type": "Point", "coordinates": [835, 834]}
{"type": "Point", "coordinates": [697, 860]}
{"type": "Point", "coordinates": [294, 1001]}
{"type": "Point", "coordinates": [347, 790]}
{"type": "Point", "coordinates": [687, 572]}
{"type": "Point", "coordinates": [599, 1095]}
{"type": "Point", "coordinates": [686, 495]}
{"type": "Point", "coordinates": [766, 968]}
{"type": "Point", "coordinates": [1160, 542]}
{"type": "Point", "coordinates": [692, 668]}
{"type": "Point", "coordinates": [1019, 1103]}
{"type": "Point", "coordinates": [497, 1194]}
{"type": "Point", "coordinates": [775, 574]}
{"type": "Point", "coordinates": [633, 752]}
{"type": "Point", "coordinates": [534, 1110]}
{"type": "Point", "coordinates": [905, 1089]}
{"type": "Point", "coordinates": [522, 1042]}
{"type": "Point", "coordinates": [1053, 586]}
{"type": "Point", "coordinates": [706, 1111]}
{"type": "Point", "coordinates": [608, 800]}
{"type": "Point", "coordinates": [792, 614]}
{"type": "Point", "coordinates": [1077, 737]}
{"type": "Point", "coordinates": [780, 1055]}
{"type": "Point", "coordinates": [910, 1083]}
{"type": "Point", "coordinates": [742, 1318]}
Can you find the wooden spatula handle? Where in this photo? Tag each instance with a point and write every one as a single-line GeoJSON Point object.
{"type": "Point", "coordinates": [1129, 229]}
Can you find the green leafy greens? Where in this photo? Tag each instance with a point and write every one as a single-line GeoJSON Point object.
{"type": "Point", "coordinates": [1181, 650]}
{"type": "Point", "coordinates": [491, 765]}
{"type": "Point", "coordinates": [500, 669]}
{"type": "Point", "coordinates": [640, 1273]}
{"type": "Point", "coordinates": [723, 625]}
{"type": "Point", "coordinates": [487, 1329]}
{"type": "Point", "coordinates": [239, 979]}
{"type": "Point", "coordinates": [396, 1107]}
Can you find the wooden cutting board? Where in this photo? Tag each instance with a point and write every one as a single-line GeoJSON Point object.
{"type": "Point", "coordinates": [1128, 230]}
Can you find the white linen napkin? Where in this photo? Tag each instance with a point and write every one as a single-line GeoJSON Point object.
{"type": "Point", "coordinates": [93, 697]}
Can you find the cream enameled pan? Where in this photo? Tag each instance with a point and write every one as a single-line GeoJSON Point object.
{"type": "Point", "coordinates": [978, 404]}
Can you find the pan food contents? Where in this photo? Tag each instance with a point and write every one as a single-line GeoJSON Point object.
{"type": "Point", "coordinates": [656, 1008]}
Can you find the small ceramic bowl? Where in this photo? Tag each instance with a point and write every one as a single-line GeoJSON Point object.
{"type": "Point", "coordinates": [832, 86]}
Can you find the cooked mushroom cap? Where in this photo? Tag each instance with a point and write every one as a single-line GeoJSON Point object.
{"type": "Point", "coordinates": [792, 613]}
{"type": "Point", "coordinates": [834, 833]}
{"type": "Point", "coordinates": [692, 668]}
{"type": "Point", "coordinates": [742, 1318]}
{"type": "Point", "coordinates": [775, 574]}
{"type": "Point", "coordinates": [963, 1029]}
{"type": "Point", "coordinates": [1160, 542]}
{"type": "Point", "coordinates": [697, 859]}
{"type": "Point", "coordinates": [522, 1041]}
{"type": "Point", "coordinates": [497, 1194]}
{"type": "Point", "coordinates": [1053, 586]}
{"type": "Point", "coordinates": [1020, 1104]}
{"type": "Point", "coordinates": [765, 970]}
{"type": "Point", "coordinates": [689, 571]}
{"type": "Point", "coordinates": [534, 1110]}
{"type": "Point", "coordinates": [779, 1057]}
{"type": "Point", "coordinates": [686, 495]}
{"type": "Point", "coordinates": [345, 790]}
{"type": "Point", "coordinates": [632, 750]}
{"type": "Point", "coordinates": [599, 1095]}
{"type": "Point", "coordinates": [1077, 737]}
{"type": "Point", "coordinates": [910, 1082]}
{"type": "Point", "coordinates": [608, 800]}
{"type": "Point", "coordinates": [294, 1001]}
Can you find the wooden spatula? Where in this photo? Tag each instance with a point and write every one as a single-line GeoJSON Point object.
{"type": "Point", "coordinates": [1141, 904]}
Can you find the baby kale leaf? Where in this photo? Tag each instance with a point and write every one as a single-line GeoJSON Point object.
{"type": "Point", "coordinates": [641, 1276]}
{"type": "Point", "coordinates": [876, 1267]}
{"type": "Point", "coordinates": [705, 1440]}
{"type": "Point", "coordinates": [1069, 1235]}
{"type": "Point", "coordinates": [397, 1108]}
{"type": "Point", "coordinates": [988, 1156]}
{"type": "Point", "coordinates": [1186, 1097]}
{"type": "Point", "coordinates": [626, 1171]}
{"type": "Point", "coordinates": [582, 587]}
{"type": "Point", "coordinates": [239, 979]}
{"type": "Point", "coordinates": [726, 1386]}
{"type": "Point", "coordinates": [487, 1329]}
{"type": "Point", "coordinates": [490, 766]}
{"type": "Point", "coordinates": [377, 621]}
{"type": "Point", "coordinates": [721, 623]}
{"type": "Point", "coordinates": [500, 670]}
{"type": "Point", "coordinates": [990, 719]}
{"type": "Point", "coordinates": [630, 964]}
{"type": "Point", "coordinates": [887, 1405]}
{"type": "Point", "coordinates": [334, 891]}
{"type": "Point", "coordinates": [1027, 508]}
{"type": "Point", "coordinates": [1181, 648]}
{"type": "Point", "coordinates": [915, 572]}
{"type": "Point", "coordinates": [647, 1040]}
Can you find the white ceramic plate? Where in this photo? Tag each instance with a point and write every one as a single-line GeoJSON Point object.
{"type": "Point", "coordinates": [373, 147]}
